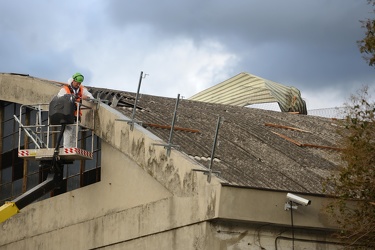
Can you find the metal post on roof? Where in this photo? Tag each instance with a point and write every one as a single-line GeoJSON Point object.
{"type": "Point", "coordinates": [174, 119]}
{"type": "Point", "coordinates": [132, 120]}
{"type": "Point", "coordinates": [209, 172]}
{"type": "Point", "coordinates": [136, 101]}
{"type": "Point", "coordinates": [169, 145]}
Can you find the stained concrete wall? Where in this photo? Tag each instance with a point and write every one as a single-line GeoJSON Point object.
{"type": "Point", "coordinates": [26, 90]}
{"type": "Point", "coordinates": [249, 203]}
{"type": "Point", "coordinates": [254, 236]}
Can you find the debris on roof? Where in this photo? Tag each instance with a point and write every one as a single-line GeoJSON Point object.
{"type": "Point", "coordinates": [285, 127]}
{"type": "Point", "coordinates": [304, 144]}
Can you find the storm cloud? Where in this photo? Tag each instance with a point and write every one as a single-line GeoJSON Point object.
{"type": "Point", "coordinates": [187, 46]}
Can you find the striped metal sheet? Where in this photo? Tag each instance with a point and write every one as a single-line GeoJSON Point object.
{"type": "Point", "coordinates": [245, 89]}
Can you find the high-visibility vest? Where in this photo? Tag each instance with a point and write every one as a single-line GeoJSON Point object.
{"type": "Point", "coordinates": [69, 90]}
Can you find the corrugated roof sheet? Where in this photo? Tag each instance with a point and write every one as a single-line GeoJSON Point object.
{"type": "Point", "coordinates": [256, 148]}
{"type": "Point", "coordinates": [245, 89]}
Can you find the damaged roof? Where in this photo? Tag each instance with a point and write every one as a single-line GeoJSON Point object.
{"type": "Point", "coordinates": [255, 148]}
{"type": "Point", "coordinates": [247, 89]}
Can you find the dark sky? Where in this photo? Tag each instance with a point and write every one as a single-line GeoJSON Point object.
{"type": "Point", "coordinates": [188, 46]}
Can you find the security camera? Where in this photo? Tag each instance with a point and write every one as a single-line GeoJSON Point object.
{"type": "Point", "coordinates": [299, 200]}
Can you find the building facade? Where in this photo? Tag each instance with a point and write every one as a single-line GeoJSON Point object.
{"type": "Point", "coordinates": [135, 194]}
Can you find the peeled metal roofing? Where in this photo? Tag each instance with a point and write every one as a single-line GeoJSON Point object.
{"type": "Point", "coordinates": [245, 89]}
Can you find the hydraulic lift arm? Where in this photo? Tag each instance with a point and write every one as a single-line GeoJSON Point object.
{"type": "Point", "coordinates": [54, 180]}
{"type": "Point", "coordinates": [11, 208]}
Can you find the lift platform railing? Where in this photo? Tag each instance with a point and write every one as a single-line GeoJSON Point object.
{"type": "Point", "coordinates": [41, 135]}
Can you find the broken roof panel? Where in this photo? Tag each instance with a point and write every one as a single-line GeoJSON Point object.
{"type": "Point", "coordinates": [245, 89]}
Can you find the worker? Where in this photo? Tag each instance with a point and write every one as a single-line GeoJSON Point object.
{"type": "Point", "coordinates": [80, 93]}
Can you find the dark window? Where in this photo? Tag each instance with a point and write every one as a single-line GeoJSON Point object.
{"type": "Point", "coordinates": [91, 176]}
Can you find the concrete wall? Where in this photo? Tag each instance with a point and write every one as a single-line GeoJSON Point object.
{"type": "Point", "coordinates": [254, 236]}
{"type": "Point", "coordinates": [244, 204]}
{"type": "Point", "coordinates": [26, 90]}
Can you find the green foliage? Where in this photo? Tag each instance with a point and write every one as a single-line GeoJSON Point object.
{"type": "Point", "coordinates": [354, 186]}
{"type": "Point", "coordinates": [367, 44]}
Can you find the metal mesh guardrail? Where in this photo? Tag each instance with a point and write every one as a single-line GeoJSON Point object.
{"type": "Point", "coordinates": [336, 112]}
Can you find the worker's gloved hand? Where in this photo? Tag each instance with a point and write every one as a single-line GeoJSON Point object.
{"type": "Point", "coordinates": [76, 98]}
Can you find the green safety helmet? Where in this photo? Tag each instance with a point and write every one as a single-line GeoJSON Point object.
{"type": "Point", "coordinates": [78, 77]}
